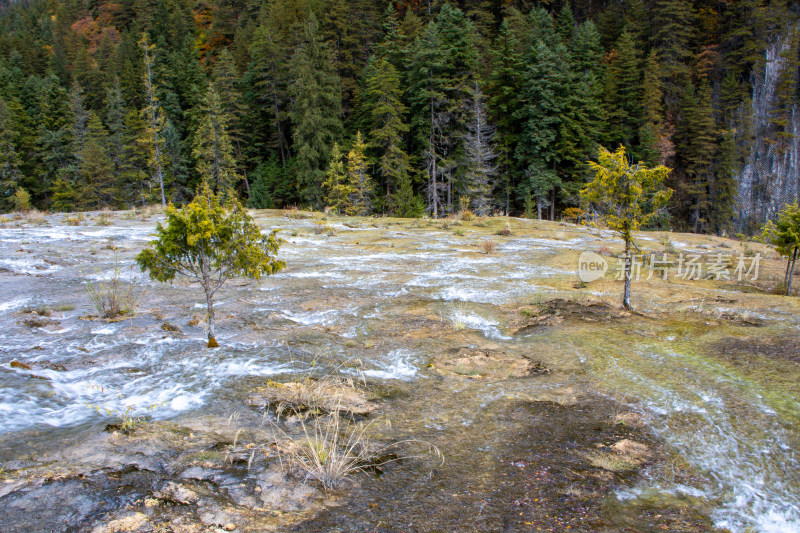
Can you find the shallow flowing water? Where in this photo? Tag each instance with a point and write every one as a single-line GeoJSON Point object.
{"type": "Point", "coordinates": [738, 437]}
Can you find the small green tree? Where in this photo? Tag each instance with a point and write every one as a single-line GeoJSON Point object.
{"type": "Point", "coordinates": [337, 190]}
{"type": "Point", "coordinates": [626, 197]}
{"type": "Point", "coordinates": [785, 235]}
{"type": "Point", "coordinates": [359, 182]}
{"type": "Point", "coordinates": [210, 242]}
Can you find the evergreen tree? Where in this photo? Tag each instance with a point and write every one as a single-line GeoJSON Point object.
{"type": "Point", "coordinates": [651, 131]}
{"type": "Point", "coordinates": [134, 161]}
{"type": "Point", "coordinates": [695, 149]}
{"type": "Point", "coordinates": [226, 83]}
{"type": "Point", "coordinates": [153, 133]}
{"type": "Point", "coordinates": [674, 32]}
{"type": "Point", "coordinates": [53, 140]}
{"type": "Point", "coordinates": [315, 113]}
{"type": "Point", "coordinates": [541, 114]}
{"type": "Point", "coordinates": [384, 112]}
{"type": "Point", "coordinates": [212, 148]}
{"type": "Point", "coordinates": [505, 81]}
{"type": "Point", "coordinates": [480, 158]}
{"type": "Point", "coordinates": [426, 94]}
{"type": "Point", "coordinates": [359, 183]}
{"type": "Point", "coordinates": [336, 185]}
{"type": "Point", "coordinates": [623, 94]}
{"type": "Point", "coordinates": [723, 195]}
{"type": "Point", "coordinates": [96, 169]}
{"type": "Point", "coordinates": [271, 186]}
{"type": "Point", "coordinates": [10, 175]}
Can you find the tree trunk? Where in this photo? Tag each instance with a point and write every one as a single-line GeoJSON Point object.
{"type": "Point", "coordinates": [212, 339]}
{"type": "Point", "coordinates": [626, 295]}
{"type": "Point", "coordinates": [791, 273]}
{"type": "Point", "coordinates": [553, 206]}
{"type": "Point", "coordinates": [160, 174]}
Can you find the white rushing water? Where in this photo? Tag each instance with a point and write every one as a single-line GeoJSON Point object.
{"type": "Point", "coordinates": [727, 429]}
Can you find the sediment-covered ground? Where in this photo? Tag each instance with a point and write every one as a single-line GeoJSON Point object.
{"type": "Point", "coordinates": [498, 392]}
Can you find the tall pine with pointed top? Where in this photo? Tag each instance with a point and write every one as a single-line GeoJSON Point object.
{"type": "Point", "coordinates": [359, 182]}
{"type": "Point", "coordinates": [212, 148]}
{"type": "Point", "coordinates": [315, 113]}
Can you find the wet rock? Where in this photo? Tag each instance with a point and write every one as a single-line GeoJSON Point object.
{"type": "Point", "coordinates": [172, 328]}
{"type": "Point", "coordinates": [134, 522]}
{"type": "Point", "coordinates": [310, 394]}
{"type": "Point", "coordinates": [486, 364]}
{"type": "Point", "coordinates": [629, 419]}
{"type": "Point", "coordinates": [20, 365]}
{"type": "Point", "coordinates": [38, 321]}
{"type": "Point", "coordinates": [559, 310]}
{"type": "Point", "coordinates": [50, 366]}
{"type": "Point", "coordinates": [199, 473]}
{"type": "Point", "coordinates": [278, 492]}
{"type": "Point", "coordinates": [219, 517]}
{"type": "Point", "coordinates": [178, 493]}
{"type": "Point", "coordinates": [633, 451]}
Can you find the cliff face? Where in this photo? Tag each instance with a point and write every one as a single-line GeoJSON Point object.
{"type": "Point", "coordinates": [770, 177]}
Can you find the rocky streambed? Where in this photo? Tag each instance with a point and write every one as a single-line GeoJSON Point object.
{"type": "Point", "coordinates": [509, 396]}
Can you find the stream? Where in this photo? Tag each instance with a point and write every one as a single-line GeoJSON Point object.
{"type": "Point", "coordinates": [736, 434]}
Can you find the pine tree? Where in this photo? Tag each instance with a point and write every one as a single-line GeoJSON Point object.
{"type": "Point", "coordinates": [391, 46]}
{"type": "Point", "coordinates": [96, 169]}
{"type": "Point", "coordinates": [505, 81]}
{"type": "Point", "coordinates": [226, 83]}
{"type": "Point", "coordinates": [115, 120]}
{"type": "Point", "coordinates": [10, 175]}
{"type": "Point", "coordinates": [651, 131]}
{"type": "Point", "coordinates": [541, 115]}
{"type": "Point", "coordinates": [427, 97]}
{"type": "Point", "coordinates": [336, 186]}
{"type": "Point", "coordinates": [315, 113]}
{"type": "Point", "coordinates": [359, 182]}
{"type": "Point", "coordinates": [458, 40]}
{"type": "Point", "coordinates": [153, 134]}
{"type": "Point", "coordinates": [723, 195]}
{"type": "Point", "coordinates": [565, 23]}
{"type": "Point", "coordinates": [695, 149]}
{"type": "Point", "coordinates": [623, 94]}
{"type": "Point", "coordinates": [271, 186]}
{"type": "Point", "coordinates": [134, 162]}
{"type": "Point", "coordinates": [384, 112]}
{"type": "Point", "coordinates": [212, 146]}
{"type": "Point", "coordinates": [480, 158]}
{"type": "Point", "coordinates": [53, 139]}
{"type": "Point", "coordinates": [674, 32]}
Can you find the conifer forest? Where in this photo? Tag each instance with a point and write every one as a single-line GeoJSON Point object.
{"type": "Point", "coordinates": [400, 108]}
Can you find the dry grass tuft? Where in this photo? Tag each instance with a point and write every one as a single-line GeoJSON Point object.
{"type": "Point", "coordinates": [74, 220]}
{"type": "Point", "coordinates": [113, 297]}
{"type": "Point", "coordinates": [332, 449]}
{"type": "Point", "coordinates": [487, 246]}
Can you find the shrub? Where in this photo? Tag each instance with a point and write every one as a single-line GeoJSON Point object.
{"type": "Point", "coordinates": [74, 220]}
{"type": "Point", "coordinates": [487, 245]}
{"type": "Point", "coordinates": [21, 200]}
{"type": "Point", "coordinates": [104, 218]}
{"type": "Point", "coordinates": [113, 298]}
{"type": "Point", "coordinates": [573, 214]}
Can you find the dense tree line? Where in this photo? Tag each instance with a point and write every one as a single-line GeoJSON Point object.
{"type": "Point", "coordinates": [383, 107]}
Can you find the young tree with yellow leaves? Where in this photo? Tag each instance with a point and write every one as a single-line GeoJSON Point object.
{"type": "Point", "coordinates": [626, 197]}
